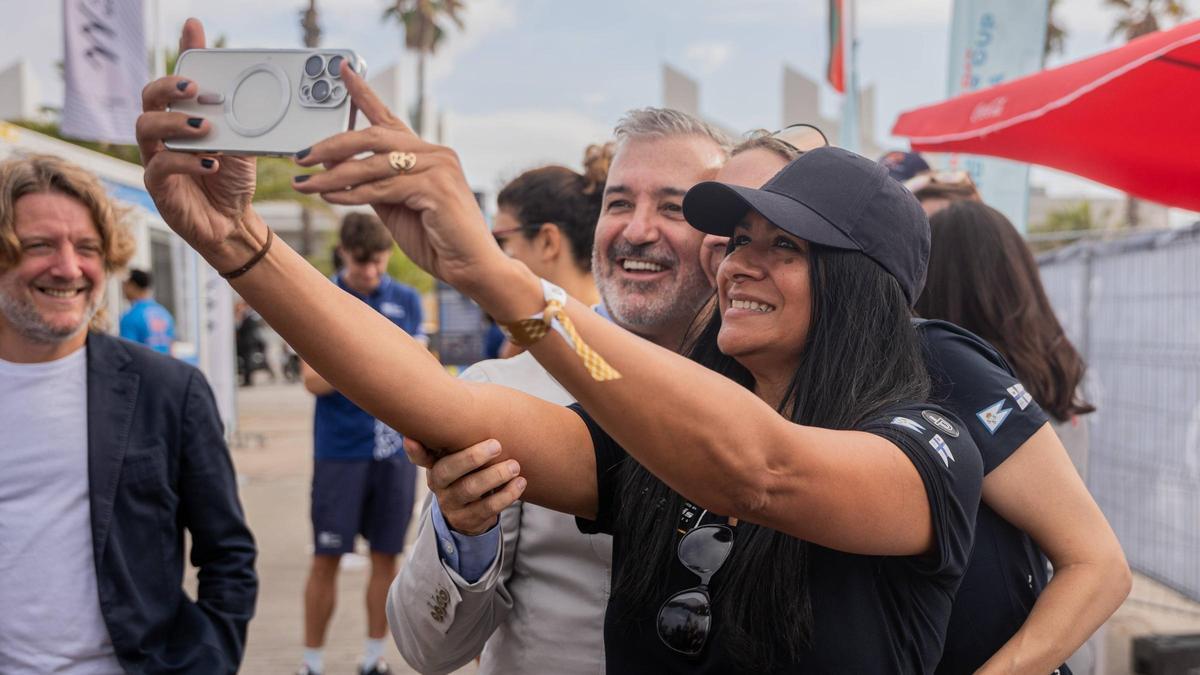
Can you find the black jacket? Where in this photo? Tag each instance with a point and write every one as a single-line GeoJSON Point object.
{"type": "Point", "coordinates": [158, 465]}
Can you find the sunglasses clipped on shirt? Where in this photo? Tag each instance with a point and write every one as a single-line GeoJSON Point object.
{"type": "Point", "coordinates": [685, 620]}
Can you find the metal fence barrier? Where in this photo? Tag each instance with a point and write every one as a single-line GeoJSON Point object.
{"type": "Point", "coordinates": [1132, 308]}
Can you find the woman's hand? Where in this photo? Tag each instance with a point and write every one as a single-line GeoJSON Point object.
{"type": "Point", "coordinates": [429, 209]}
{"type": "Point", "coordinates": [205, 199]}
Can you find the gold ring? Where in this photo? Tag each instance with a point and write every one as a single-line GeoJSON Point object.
{"type": "Point", "coordinates": [402, 162]}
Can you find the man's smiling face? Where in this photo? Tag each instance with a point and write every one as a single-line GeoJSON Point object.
{"type": "Point", "coordinates": [55, 289]}
{"type": "Point", "coordinates": [646, 256]}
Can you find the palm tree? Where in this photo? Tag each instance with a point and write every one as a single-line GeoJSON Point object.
{"type": "Point", "coordinates": [1056, 34]}
{"type": "Point", "coordinates": [424, 24]}
{"type": "Point", "coordinates": [312, 29]}
{"type": "Point", "coordinates": [1142, 17]}
{"type": "Point", "coordinates": [312, 40]}
{"type": "Point", "coordinates": [1138, 18]}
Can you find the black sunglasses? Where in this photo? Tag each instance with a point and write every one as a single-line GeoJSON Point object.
{"type": "Point", "coordinates": [685, 619]}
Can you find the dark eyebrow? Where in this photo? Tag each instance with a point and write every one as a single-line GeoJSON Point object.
{"type": "Point", "coordinates": [659, 193]}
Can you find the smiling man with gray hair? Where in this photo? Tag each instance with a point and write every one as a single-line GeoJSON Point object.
{"type": "Point", "coordinates": [520, 582]}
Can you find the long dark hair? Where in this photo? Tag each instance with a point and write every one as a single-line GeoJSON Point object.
{"type": "Point", "coordinates": [860, 357]}
{"type": "Point", "coordinates": [983, 277]}
{"type": "Point", "coordinates": [558, 195]}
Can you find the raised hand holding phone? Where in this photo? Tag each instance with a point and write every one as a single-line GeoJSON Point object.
{"type": "Point", "coordinates": [265, 101]}
{"type": "Point", "coordinates": [205, 198]}
{"type": "Point", "coordinates": [418, 189]}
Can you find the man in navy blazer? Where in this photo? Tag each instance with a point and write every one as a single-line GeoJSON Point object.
{"type": "Point", "coordinates": [109, 451]}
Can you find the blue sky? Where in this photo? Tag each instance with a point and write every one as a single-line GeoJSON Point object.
{"type": "Point", "coordinates": [533, 81]}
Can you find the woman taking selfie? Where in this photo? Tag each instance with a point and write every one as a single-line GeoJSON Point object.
{"type": "Point", "coordinates": [1033, 503]}
{"type": "Point", "coordinates": [787, 504]}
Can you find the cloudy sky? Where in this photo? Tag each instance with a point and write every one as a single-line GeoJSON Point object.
{"type": "Point", "coordinates": [533, 81]}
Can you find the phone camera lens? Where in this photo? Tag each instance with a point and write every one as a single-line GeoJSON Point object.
{"type": "Point", "coordinates": [314, 65]}
{"type": "Point", "coordinates": [335, 66]}
{"type": "Point", "coordinates": [320, 90]}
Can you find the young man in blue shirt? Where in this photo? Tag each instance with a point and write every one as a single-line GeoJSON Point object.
{"type": "Point", "coordinates": [146, 322]}
{"type": "Point", "coordinates": [362, 480]}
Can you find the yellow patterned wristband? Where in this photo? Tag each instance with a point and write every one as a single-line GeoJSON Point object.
{"type": "Point", "coordinates": [554, 317]}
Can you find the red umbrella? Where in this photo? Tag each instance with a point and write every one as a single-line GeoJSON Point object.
{"type": "Point", "coordinates": [1129, 118]}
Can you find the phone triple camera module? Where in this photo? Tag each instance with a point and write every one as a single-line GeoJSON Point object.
{"type": "Point", "coordinates": [321, 84]}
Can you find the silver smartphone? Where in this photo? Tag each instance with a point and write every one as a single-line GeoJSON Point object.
{"type": "Point", "coordinates": [265, 101]}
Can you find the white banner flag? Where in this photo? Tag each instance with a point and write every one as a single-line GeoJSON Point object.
{"type": "Point", "coordinates": [992, 41]}
{"type": "Point", "coordinates": [106, 66]}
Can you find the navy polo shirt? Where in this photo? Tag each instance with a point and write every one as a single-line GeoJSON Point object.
{"type": "Point", "coordinates": [1007, 571]}
{"type": "Point", "coordinates": [341, 429]}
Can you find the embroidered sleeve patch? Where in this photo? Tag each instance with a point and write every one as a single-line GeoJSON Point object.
{"type": "Point", "coordinates": [908, 424]}
{"type": "Point", "coordinates": [942, 449]}
{"type": "Point", "coordinates": [993, 416]}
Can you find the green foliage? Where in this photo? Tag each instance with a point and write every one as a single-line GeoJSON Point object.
{"type": "Point", "coordinates": [406, 272]}
{"type": "Point", "coordinates": [1066, 221]}
{"type": "Point", "coordinates": [128, 153]}
{"type": "Point", "coordinates": [1142, 17]}
{"type": "Point", "coordinates": [423, 21]}
{"type": "Point", "coordinates": [275, 182]}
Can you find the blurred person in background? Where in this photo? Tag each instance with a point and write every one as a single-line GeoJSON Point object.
{"type": "Point", "coordinates": [983, 277]}
{"type": "Point", "coordinates": [249, 342]}
{"type": "Point", "coordinates": [938, 189]}
{"type": "Point", "coordinates": [546, 217]}
{"type": "Point", "coordinates": [903, 164]}
{"type": "Point", "coordinates": [934, 189]}
{"type": "Point", "coordinates": [362, 481]}
{"type": "Point", "coordinates": [146, 321]}
{"type": "Point", "coordinates": [1031, 497]}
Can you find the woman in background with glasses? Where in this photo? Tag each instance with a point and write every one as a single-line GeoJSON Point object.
{"type": "Point", "coordinates": [546, 218]}
{"type": "Point", "coordinates": [804, 509]}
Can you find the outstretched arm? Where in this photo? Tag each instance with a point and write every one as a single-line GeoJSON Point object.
{"type": "Point", "coordinates": [206, 200]}
{"type": "Point", "coordinates": [706, 436]}
{"type": "Point", "coordinates": [1038, 490]}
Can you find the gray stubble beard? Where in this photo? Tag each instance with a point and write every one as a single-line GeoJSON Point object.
{"type": "Point", "coordinates": [24, 318]}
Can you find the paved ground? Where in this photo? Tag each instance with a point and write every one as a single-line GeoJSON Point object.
{"type": "Point", "coordinates": [273, 456]}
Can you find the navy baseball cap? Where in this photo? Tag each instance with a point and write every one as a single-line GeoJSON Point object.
{"type": "Point", "coordinates": [833, 197]}
{"type": "Point", "coordinates": [904, 165]}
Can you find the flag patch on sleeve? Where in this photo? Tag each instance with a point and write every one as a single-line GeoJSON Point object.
{"type": "Point", "coordinates": [1018, 394]}
{"type": "Point", "coordinates": [993, 416]}
{"type": "Point", "coordinates": [942, 449]}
